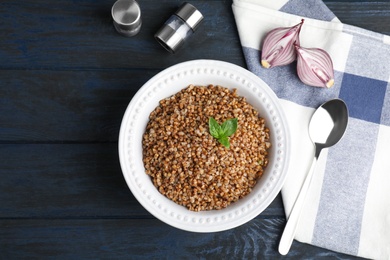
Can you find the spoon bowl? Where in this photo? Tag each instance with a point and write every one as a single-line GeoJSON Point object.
{"type": "Point", "coordinates": [338, 111]}
{"type": "Point", "coordinates": [327, 126]}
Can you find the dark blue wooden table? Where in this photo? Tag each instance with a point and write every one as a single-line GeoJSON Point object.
{"type": "Point", "coordinates": [66, 78]}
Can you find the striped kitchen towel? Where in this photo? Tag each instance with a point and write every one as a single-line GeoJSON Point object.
{"type": "Point", "coordinates": [348, 205]}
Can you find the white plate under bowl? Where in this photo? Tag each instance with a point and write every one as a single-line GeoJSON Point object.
{"type": "Point", "coordinates": [171, 81]}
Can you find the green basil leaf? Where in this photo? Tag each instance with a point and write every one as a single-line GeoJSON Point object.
{"type": "Point", "coordinates": [214, 128]}
{"type": "Point", "coordinates": [222, 132]}
{"type": "Point", "coordinates": [224, 140]}
{"type": "Point", "coordinates": [229, 127]}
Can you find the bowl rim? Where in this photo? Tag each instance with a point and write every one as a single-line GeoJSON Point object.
{"type": "Point", "coordinates": [167, 83]}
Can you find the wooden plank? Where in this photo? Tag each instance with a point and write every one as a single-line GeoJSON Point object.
{"type": "Point", "coordinates": [372, 15]}
{"type": "Point", "coordinates": [74, 180]}
{"type": "Point", "coordinates": [42, 105]}
{"type": "Point", "coordinates": [80, 34]}
{"type": "Point", "coordinates": [145, 239]}
{"type": "Point", "coordinates": [70, 180]}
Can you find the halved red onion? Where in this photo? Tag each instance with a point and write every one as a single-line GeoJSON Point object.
{"type": "Point", "coordinates": [314, 67]}
{"type": "Point", "coordinates": [278, 46]}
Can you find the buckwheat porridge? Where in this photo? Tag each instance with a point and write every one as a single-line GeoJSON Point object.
{"type": "Point", "coordinates": [188, 165]}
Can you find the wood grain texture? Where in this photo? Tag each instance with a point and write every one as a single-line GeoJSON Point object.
{"type": "Point", "coordinates": [80, 34]}
{"type": "Point", "coordinates": [370, 15]}
{"type": "Point", "coordinates": [66, 78]}
{"type": "Point", "coordinates": [145, 239]}
{"type": "Point", "coordinates": [50, 105]}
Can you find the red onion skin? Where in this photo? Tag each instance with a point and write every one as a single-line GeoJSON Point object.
{"type": "Point", "coordinates": [314, 67]}
{"type": "Point", "coordinates": [278, 46]}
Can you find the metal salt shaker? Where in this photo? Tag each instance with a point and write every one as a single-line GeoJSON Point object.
{"type": "Point", "coordinates": [127, 17]}
{"type": "Point", "coordinates": [179, 27]}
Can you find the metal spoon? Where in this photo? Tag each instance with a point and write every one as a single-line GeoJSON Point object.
{"type": "Point", "coordinates": [326, 128]}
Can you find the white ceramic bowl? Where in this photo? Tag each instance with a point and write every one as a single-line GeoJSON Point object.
{"type": "Point", "coordinates": [169, 82]}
